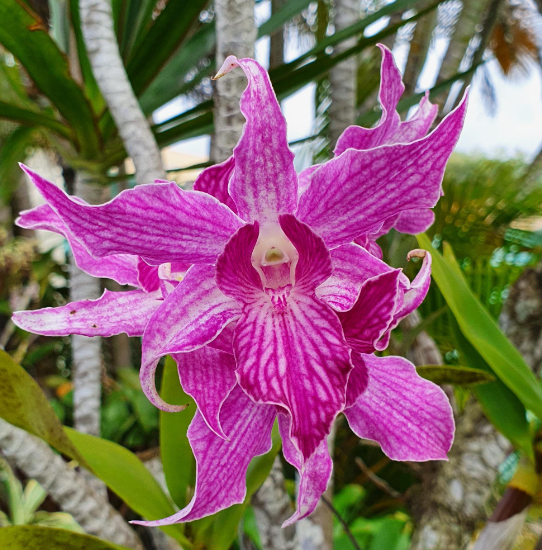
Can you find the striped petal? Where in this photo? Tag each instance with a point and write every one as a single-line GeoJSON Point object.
{"type": "Point", "coordinates": [288, 344]}
{"type": "Point", "coordinates": [418, 125]}
{"type": "Point", "coordinates": [373, 313]}
{"type": "Point", "coordinates": [112, 313]}
{"type": "Point", "coordinates": [215, 180]}
{"type": "Point", "coordinates": [413, 222]}
{"type": "Point", "coordinates": [208, 375]}
{"type": "Point", "coordinates": [190, 317]}
{"type": "Point", "coordinates": [391, 89]}
{"type": "Point", "coordinates": [264, 183]}
{"type": "Point", "coordinates": [352, 266]}
{"type": "Point", "coordinates": [119, 267]}
{"type": "Point", "coordinates": [147, 276]}
{"type": "Point", "coordinates": [409, 416]}
{"type": "Point", "coordinates": [352, 193]}
{"type": "Point", "coordinates": [160, 222]}
{"type": "Point", "coordinates": [357, 381]}
{"type": "Point", "coordinates": [314, 473]}
{"type": "Point", "coordinates": [221, 466]}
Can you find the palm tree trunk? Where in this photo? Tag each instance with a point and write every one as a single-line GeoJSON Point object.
{"type": "Point", "coordinates": [67, 487]}
{"type": "Point", "coordinates": [342, 78]}
{"type": "Point", "coordinates": [235, 35]}
{"type": "Point", "coordinates": [419, 46]}
{"type": "Point", "coordinates": [451, 499]}
{"type": "Point", "coordinates": [276, 42]}
{"type": "Point", "coordinates": [111, 77]}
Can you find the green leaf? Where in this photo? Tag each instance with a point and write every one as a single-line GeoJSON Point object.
{"type": "Point", "coordinates": [32, 537]}
{"type": "Point", "coordinates": [221, 532]}
{"type": "Point", "coordinates": [177, 457]}
{"type": "Point", "coordinates": [23, 404]}
{"type": "Point", "coordinates": [501, 406]}
{"type": "Point", "coordinates": [126, 476]}
{"type": "Point", "coordinates": [458, 376]}
{"type": "Point", "coordinates": [482, 332]}
{"type": "Point", "coordinates": [12, 152]}
{"type": "Point", "coordinates": [161, 41]}
{"type": "Point", "coordinates": [26, 36]}
{"type": "Point", "coordinates": [33, 118]}
{"type": "Point", "coordinates": [282, 16]}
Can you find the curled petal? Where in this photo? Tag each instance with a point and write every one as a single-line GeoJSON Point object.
{"type": "Point", "coordinates": [112, 313]}
{"type": "Point", "coordinates": [352, 193]}
{"type": "Point", "coordinates": [119, 267]}
{"type": "Point", "coordinates": [147, 276]}
{"type": "Point", "coordinates": [391, 89]}
{"type": "Point", "coordinates": [373, 313]}
{"type": "Point", "coordinates": [358, 380]}
{"type": "Point", "coordinates": [314, 473]}
{"type": "Point", "coordinates": [352, 266]}
{"type": "Point", "coordinates": [214, 181]}
{"type": "Point", "coordinates": [160, 222]}
{"type": "Point", "coordinates": [264, 182]}
{"type": "Point", "coordinates": [222, 465]}
{"type": "Point", "coordinates": [409, 416]}
{"type": "Point", "coordinates": [190, 317]}
{"type": "Point", "coordinates": [207, 375]}
{"type": "Point", "coordinates": [416, 291]}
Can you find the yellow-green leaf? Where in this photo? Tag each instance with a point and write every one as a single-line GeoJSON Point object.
{"type": "Point", "coordinates": [457, 376]}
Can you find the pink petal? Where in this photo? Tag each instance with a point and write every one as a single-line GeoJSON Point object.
{"type": "Point", "coordinates": [413, 222]}
{"type": "Point", "coordinates": [224, 341]}
{"type": "Point", "coordinates": [391, 89]}
{"type": "Point", "coordinates": [119, 267]}
{"type": "Point", "coordinates": [352, 266]}
{"type": "Point", "coordinates": [370, 318]}
{"type": "Point", "coordinates": [314, 473]}
{"type": "Point", "coordinates": [416, 291]}
{"type": "Point", "coordinates": [418, 125]}
{"type": "Point", "coordinates": [112, 313]}
{"type": "Point", "coordinates": [410, 417]}
{"type": "Point", "coordinates": [215, 180]}
{"type": "Point", "coordinates": [352, 193]}
{"type": "Point", "coordinates": [288, 335]}
{"type": "Point", "coordinates": [222, 465]}
{"type": "Point", "coordinates": [264, 183]}
{"type": "Point", "coordinates": [147, 276]}
{"type": "Point", "coordinates": [304, 178]}
{"type": "Point", "coordinates": [208, 375]}
{"type": "Point", "coordinates": [358, 380]}
{"type": "Point", "coordinates": [159, 222]}
{"type": "Point", "coordinates": [189, 318]}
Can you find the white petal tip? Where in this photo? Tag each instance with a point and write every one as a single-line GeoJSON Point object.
{"type": "Point", "coordinates": [416, 253]}
{"type": "Point", "coordinates": [229, 63]}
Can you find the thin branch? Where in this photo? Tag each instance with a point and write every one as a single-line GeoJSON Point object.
{"type": "Point", "coordinates": [380, 483]}
{"type": "Point", "coordinates": [343, 523]}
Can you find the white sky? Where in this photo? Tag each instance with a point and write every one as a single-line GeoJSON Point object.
{"type": "Point", "coordinates": [516, 127]}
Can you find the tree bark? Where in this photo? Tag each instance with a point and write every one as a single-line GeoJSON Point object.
{"type": "Point", "coordinates": [419, 46]}
{"type": "Point", "coordinates": [451, 498]}
{"type": "Point", "coordinates": [342, 78]}
{"type": "Point", "coordinates": [235, 35]}
{"type": "Point", "coordinates": [111, 77]}
{"type": "Point", "coordinates": [67, 488]}
{"type": "Point", "coordinates": [276, 42]}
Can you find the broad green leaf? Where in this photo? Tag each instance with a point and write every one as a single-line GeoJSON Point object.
{"type": "Point", "coordinates": [177, 457]}
{"type": "Point", "coordinates": [165, 35]}
{"type": "Point", "coordinates": [458, 376]}
{"type": "Point", "coordinates": [171, 79]}
{"type": "Point", "coordinates": [26, 36]}
{"type": "Point", "coordinates": [219, 531]}
{"type": "Point", "coordinates": [23, 404]}
{"type": "Point", "coordinates": [126, 476]}
{"type": "Point", "coordinates": [12, 152]}
{"type": "Point", "coordinates": [32, 537]}
{"type": "Point", "coordinates": [501, 406]}
{"type": "Point", "coordinates": [138, 16]}
{"type": "Point", "coordinates": [482, 332]}
{"type": "Point", "coordinates": [33, 118]}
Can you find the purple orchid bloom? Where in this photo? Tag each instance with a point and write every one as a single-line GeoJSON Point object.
{"type": "Point", "coordinates": [281, 312]}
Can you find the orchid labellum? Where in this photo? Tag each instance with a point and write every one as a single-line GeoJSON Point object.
{"type": "Point", "coordinates": [281, 310]}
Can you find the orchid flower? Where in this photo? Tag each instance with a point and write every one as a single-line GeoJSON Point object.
{"type": "Point", "coordinates": [281, 312]}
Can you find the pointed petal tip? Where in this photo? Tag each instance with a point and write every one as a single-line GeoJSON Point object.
{"type": "Point", "coordinates": [230, 63]}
